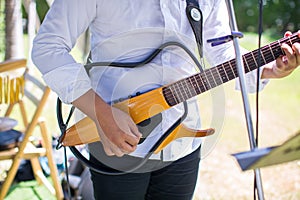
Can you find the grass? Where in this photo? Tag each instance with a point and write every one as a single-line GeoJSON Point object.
{"type": "Point", "coordinates": [220, 177]}
{"type": "Point", "coordinates": [29, 190]}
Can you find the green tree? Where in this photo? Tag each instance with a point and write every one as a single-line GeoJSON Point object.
{"type": "Point", "coordinates": [2, 30]}
{"type": "Point", "coordinates": [13, 30]}
{"type": "Point", "coordinates": [278, 16]}
{"type": "Point", "coordinates": [13, 17]}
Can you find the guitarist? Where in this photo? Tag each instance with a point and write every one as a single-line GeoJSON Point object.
{"type": "Point", "coordinates": [126, 32]}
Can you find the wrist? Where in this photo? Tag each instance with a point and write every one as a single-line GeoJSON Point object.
{"type": "Point", "coordinates": [267, 72]}
{"type": "Point", "coordinates": [273, 71]}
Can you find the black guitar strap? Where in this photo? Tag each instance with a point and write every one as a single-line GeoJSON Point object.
{"type": "Point", "coordinates": [194, 16]}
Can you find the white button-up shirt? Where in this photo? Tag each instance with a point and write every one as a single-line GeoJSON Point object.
{"type": "Point", "coordinates": [128, 31]}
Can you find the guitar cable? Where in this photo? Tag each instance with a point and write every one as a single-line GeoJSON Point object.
{"type": "Point", "coordinates": [63, 126]}
{"type": "Point", "coordinates": [260, 31]}
{"type": "Point", "coordinates": [94, 166]}
{"type": "Point", "coordinates": [91, 64]}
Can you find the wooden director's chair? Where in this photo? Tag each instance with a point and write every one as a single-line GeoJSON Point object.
{"type": "Point", "coordinates": [26, 149]}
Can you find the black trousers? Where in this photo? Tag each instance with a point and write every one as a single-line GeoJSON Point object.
{"type": "Point", "coordinates": [175, 181]}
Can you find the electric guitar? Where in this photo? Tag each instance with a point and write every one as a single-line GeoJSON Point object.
{"type": "Point", "coordinates": [148, 105]}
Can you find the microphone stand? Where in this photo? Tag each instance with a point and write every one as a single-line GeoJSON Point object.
{"type": "Point", "coordinates": [241, 74]}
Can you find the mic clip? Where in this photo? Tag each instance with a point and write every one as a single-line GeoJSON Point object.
{"type": "Point", "coordinates": [225, 39]}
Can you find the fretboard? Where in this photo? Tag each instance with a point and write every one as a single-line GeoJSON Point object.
{"type": "Point", "coordinates": [189, 87]}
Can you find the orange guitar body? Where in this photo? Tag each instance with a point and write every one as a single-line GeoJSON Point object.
{"type": "Point", "coordinates": [139, 108]}
{"type": "Point", "coordinates": [147, 105]}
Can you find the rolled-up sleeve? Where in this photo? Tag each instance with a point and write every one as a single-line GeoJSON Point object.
{"type": "Point", "coordinates": [63, 24]}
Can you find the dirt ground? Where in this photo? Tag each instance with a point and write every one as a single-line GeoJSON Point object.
{"type": "Point", "coordinates": [221, 178]}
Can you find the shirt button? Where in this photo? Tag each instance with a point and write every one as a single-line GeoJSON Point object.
{"type": "Point", "coordinates": [164, 5]}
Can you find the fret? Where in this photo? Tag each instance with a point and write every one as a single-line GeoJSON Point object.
{"type": "Point", "coordinates": [232, 67]}
{"type": "Point", "coordinates": [233, 63]}
{"type": "Point", "coordinates": [214, 77]}
{"type": "Point", "coordinates": [210, 78]}
{"type": "Point", "coordinates": [271, 50]}
{"type": "Point", "coordinates": [176, 92]}
{"type": "Point", "coordinates": [223, 73]}
{"type": "Point", "coordinates": [207, 78]}
{"type": "Point", "coordinates": [200, 83]}
{"type": "Point", "coordinates": [289, 39]}
{"type": "Point", "coordinates": [183, 88]}
{"type": "Point", "coordinates": [205, 81]}
{"type": "Point", "coordinates": [217, 76]}
{"type": "Point", "coordinates": [179, 92]}
{"type": "Point", "coordinates": [250, 61]}
{"type": "Point", "coordinates": [191, 87]}
{"type": "Point", "coordinates": [246, 64]}
{"type": "Point", "coordinates": [279, 51]}
{"type": "Point", "coordinates": [254, 59]}
{"type": "Point", "coordinates": [198, 89]}
{"type": "Point", "coordinates": [226, 74]}
{"type": "Point", "coordinates": [228, 70]}
{"type": "Point", "coordinates": [186, 88]}
{"type": "Point", "coordinates": [255, 54]}
{"type": "Point", "coordinates": [268, 55]}
{"type": "Point", "coordinates": [169, 96]}
{"type": "Point", "coordinates": [262, 56]}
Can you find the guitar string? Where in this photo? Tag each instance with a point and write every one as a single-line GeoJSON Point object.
{"type": "Point", "coordinates": [253, 55]}
{"type": "Point", "coordinates": [208, 76]}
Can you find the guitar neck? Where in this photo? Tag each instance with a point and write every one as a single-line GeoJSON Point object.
{"type": "Point", "coordinates": [189, 87]}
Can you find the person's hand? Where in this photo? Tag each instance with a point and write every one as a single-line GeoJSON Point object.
{"type": "Point", "coordinates": [119, 134]}
{"type": "Point", "coordinates": [286, 64]}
